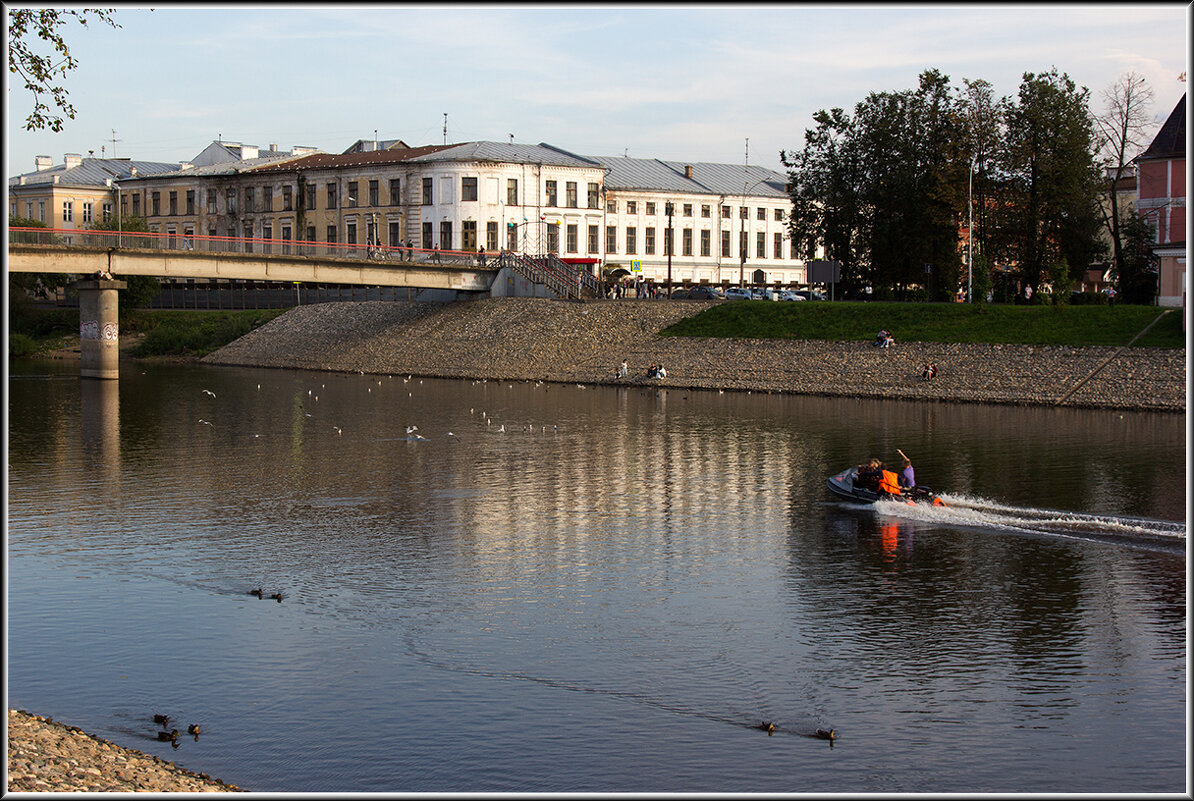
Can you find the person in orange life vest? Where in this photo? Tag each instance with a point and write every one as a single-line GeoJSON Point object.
{"type": "Point", "coordinates": [868, 475]}
{"type": "Point", "coordinates": [889, 482]}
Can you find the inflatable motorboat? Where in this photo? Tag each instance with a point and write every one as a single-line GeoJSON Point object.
{"type": "Point", "coordinates": [842, 485]}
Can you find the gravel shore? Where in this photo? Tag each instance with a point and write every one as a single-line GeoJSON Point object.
{"type": "Point", "coordinates": [531, 339]}
{"type": "Point", "coordinates": [50, 757]}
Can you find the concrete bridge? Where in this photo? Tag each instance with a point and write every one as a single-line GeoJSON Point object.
{"type": "Point", "coordinates": [94, 260]}
{"type": "Point", "coordinates": [101, 255]}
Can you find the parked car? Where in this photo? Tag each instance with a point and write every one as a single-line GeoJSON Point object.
{"type": "Point", "coordinates": [680, 294]}
{"type": "Point", "coordinates": [705, 293]}
{"type": "Point", "coordinates": [810, 294]}
{"type": "Point", "coordinates": [788, 294]}
{"type": "Point", "coordinates": [738, 293]}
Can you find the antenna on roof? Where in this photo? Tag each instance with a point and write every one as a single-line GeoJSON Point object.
{"type": "Point", "coordinates": [114, 141]}
{"type": "Point", "coordinates": [375, 139]}
{"type": "Point", "coordinates": [445, 127]}
{"type": "Point", "coordinates": [624, 151]}
{"type": "Point", "coordinates": [511, 138]}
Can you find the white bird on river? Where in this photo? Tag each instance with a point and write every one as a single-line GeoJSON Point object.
{"type": "Point", "coordinates": [209, 392]}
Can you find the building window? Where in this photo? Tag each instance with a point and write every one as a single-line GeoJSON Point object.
{"type": "Point", "coordinates": [468, 235]}
{"type": "Point", "coordinates": [511, 191]}
{"type": "Point", "coordinates": [650, 209]}
{"type": "Point", "coordinates": [761, 245]}
{"type": "Point", "coordinates": [570, 194]}
{"type": "Point", "coordinates": [248, 237]}
{"type": "Point", "coordinates": [611, 239]}
{"type": "Point", "coordinates": [68, 211]}
{"type": "Point", "coordinates": [353, 199]}
{"type": "Point", "coordinates": [725, 244]}
{"type": "Point", "coordinates": [668, 244]}
{"type": "Point", "coordinates": [491, 242]}
{"type": "Point", "coordinates": [350, 232]}
{"type": "Point", "coordinates": [704, 209]}
{"type": "Point", "coordinates": [395, 233]}
{"type": "Point", "coordinates": [426, 242]}
{"type": "Point", "coordinates": [742, 245]}
{"type": "Point", "coordinates": [743, 213]}
{"type": "Point", "coordinates": [331, 189]}
{"type": "Point", "coordinates": [231, 199]}
{"type": "Point", "coordinates": [309, 204]}
{"type": "Point", "coordinates": [267, 198]}
{"type": "Point", "coordinates": [511, 236]}
{"type": "Point", "coordinates": [779, 215]}
{"type": "Point", "coordinates": [173, 204]}
{"type": "Point", "coordinates": [445, 235]}
{"type": "Point", "coordinates": [631, 241]}
{"type": "Point", "coordinates": [649, 244]}
{"type": "Point", "coordinates": [286, 237]}
{"type": "Point", "coordinates": [373, 196]}
{"type": "Point", "coordinates": [331, 234]}
{"type": "Point", "coordinates": [288, 198]}
{"type": "Point", "coordinates": [632, 207]}
{"type": "Point", "coordinates": [155, 200]}
{"type": "Point", "coordinates": [706, 243]}
{"type": "Point", "coordinates": [687, 242]}
{"type": "Point", "coordinates": [395, 191]}
{"type": "Point", "coordinates": [553, 238]}
{"type": "Point", "coordinates": [107, 211]}
{"type": "Point", "coordinates": [594, 245]}
{"type": "Point", "coordinates": [762, 214]}
{"type": "Point", "coordinates": [427, 192]}
{"type": "Point", "coordinates": [468, 189]}
{"type": "Point", "coordinates": [29, 209]}
{"type": "Point", "coordinates": [370, 230]}
{"type": "Point", "coordinates": [136, 206]}
{"type": "Point", "coordinates": [778, 253]}
{"type": "Point", "coordinates": [687, 209]}
{"type": "Point", "coordinates": [190, 201]}
{"type": "Point", "coordinates": [572, 243]}
{"type": "Point", "coordinates": [725, 212]}
{"type": "Point", "coordinates": [593, 196]}
{"type": "Point", "coordinates": [551, 193]}
{"type": "Point", "coordinates": [267, 235]}
{"type": "Point", "coordinates": [88, 212]}
{"type": "Point", "coordinates": [611, 207]}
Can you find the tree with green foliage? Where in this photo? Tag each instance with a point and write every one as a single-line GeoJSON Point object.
{"type": "Point", "coordinates": [825, 177]}
{"type": "Point", "coordinates": [29, 30]}
{"type": "Point", "coordinates": [1049, 210]}
{"type": "Point", "coordinates": [1137, 272]}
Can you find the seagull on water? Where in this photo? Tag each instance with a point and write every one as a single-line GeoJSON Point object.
{"type": "Point", "coordinates": [338, 430]}
{"type": "Point", "coordinates": [411, 429]}
{"type": "Point", "coordinates": [201, 420]}
{"type": "Point", "coordinates": [209, 392]}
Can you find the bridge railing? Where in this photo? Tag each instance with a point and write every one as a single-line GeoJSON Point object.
{"type": "Point", "coordinates": [249, 245]}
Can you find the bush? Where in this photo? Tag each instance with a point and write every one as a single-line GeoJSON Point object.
{"type": "Point", "coordinates": [21, 346]}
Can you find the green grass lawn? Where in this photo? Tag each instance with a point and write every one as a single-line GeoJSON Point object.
{"type": "Point", "coordinates": [937, 322]}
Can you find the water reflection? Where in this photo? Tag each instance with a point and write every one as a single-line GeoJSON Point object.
{"type": "Point", "coordinates": [624, 561]}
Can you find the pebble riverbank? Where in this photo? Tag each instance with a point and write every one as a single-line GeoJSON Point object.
{"type": "Point", "coordinates": [532, 339]}
{"type": "Point", "coordinates": [51, 757]}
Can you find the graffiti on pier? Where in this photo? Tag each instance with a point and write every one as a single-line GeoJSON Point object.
{"type": "Point", "coordinates": [90, 329]}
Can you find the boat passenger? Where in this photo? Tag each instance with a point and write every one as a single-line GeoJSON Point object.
{"type": "Point", "coordinates": [907, 475]}
{"type": "Point", "coordinates": [869, 475]}
{"type": "Point", "coordinates": [889, 483]}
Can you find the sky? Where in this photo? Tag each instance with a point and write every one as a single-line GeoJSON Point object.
{"type": "Point", "coordinates": [689, 83]}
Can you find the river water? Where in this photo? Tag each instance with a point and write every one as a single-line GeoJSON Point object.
{"type": "Point", "coordinates": [594, 589]}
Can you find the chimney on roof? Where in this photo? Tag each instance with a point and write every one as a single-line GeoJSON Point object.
{"type": "Point", "coordinates": [248, 151]}
{"type": "Point", "coordinates": [273, 146]}
{"type": "Point", "coordinates": [73, 160]}
{"type": "Point", "coordinates": [44, 163]}
{"type": "Point", "coordinates": [688, 171]}
{"type": "Point", "coordinates": [185, 165]}
{"type": "Point", "coordinates": [133, 172]}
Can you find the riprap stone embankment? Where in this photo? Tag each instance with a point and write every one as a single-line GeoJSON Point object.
{"type": "Point", "coordinates": [550, 340]}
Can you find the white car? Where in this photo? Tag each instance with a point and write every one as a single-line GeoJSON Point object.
{"type": "Point", "coordinates": [788, 294]}
{"type": "Point", "coordinates": [738, 293]}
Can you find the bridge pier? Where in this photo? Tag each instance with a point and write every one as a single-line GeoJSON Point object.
{"type": "Point", "coordinates": [99, 327]}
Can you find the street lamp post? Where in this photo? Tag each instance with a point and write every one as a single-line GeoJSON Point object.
{"type": "Point", "coordinates": [970, 235]}
{"type": "Point", "coordinates": [669, 208]}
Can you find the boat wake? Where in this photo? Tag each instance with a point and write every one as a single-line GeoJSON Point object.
{"type": "Point", "coordinates": [971, 512]}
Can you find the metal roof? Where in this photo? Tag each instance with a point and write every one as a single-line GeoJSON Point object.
{"type": "Point", "coordinates": [92, 172]}
{"type": "Point", "coordinates": [220, 168]}
{"type": "Point", "coordinates": [511, 153]}
{"type": "Point", "coordinates": [322, 161]}
{"type": "Point", "coordinates": [707, 178]}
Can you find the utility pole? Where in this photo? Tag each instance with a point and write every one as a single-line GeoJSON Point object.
{"type": "Point", "coordinates": [970, 236]}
